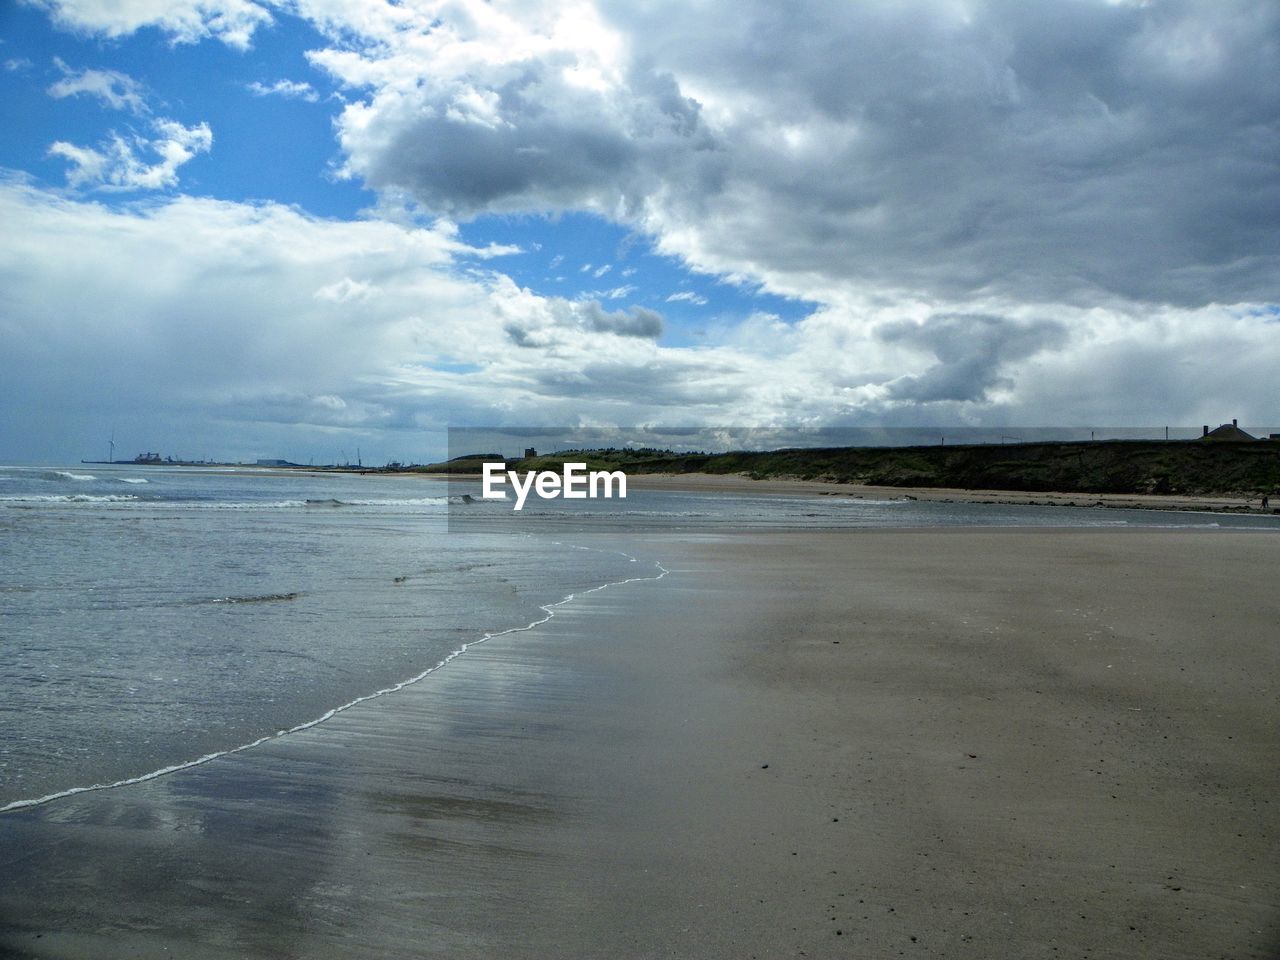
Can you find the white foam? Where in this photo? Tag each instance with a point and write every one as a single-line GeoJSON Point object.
{"type": "Point", "coordinates": [75, 476]}
{"type": "Point", "coordinates": [866, 502]}
{"type": "Point", "coordinates": [409, 502]}
{"type": "Point", "coordinates": [131, 480]}
{"type": "Point", "coordinates": [70, 498]}
{"type": "Point", "coordinates": [549, 609]}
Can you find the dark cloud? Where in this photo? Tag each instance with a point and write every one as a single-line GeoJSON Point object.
{"type": "Point", "coordinates": [524, 139]}
{"type": "Point", "coordinates": [545, 329]}
{"type": "Point", "coordinates": [971, 351]}
{"type": "Point", "coordinates": [637, 322]}
{"type": "Point", "coordinates": [1042, 151]}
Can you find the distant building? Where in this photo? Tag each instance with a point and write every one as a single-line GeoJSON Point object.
{"type": "Point", "coordinates": [530, 453]}
{"type": "Point", "coordinates": [1228, 431]}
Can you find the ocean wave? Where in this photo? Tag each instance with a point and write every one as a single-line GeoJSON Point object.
{"type": "Point", "coordinates": [402, 502]}
{"type": "Point", "coordinates": [248, 505]}
{"type": "Point", "coordinates": [409, 502]}
{"type": "Point", "coordinates": [867, 502]}
{"type": "Point", "coordinates": [549, 611]}
{"type": "Point", "coordinates": [70, 498]}
{"type": "Point", "coordinates": [196, 504]}
{"type": "Point", "coordinates": [264, 598]}
{"type": "Point", "coordinates": [66, 475]}
{"type": "Point", "coordinates": [132, 480]}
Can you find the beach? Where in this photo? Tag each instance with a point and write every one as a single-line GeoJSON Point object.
{"type": "Point", "coordinates": [987, 743]}
{"type": "Point", "coordinates": [740, 484]}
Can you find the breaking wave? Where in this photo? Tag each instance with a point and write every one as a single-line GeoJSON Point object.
{"type": "Point", "coordinates": [264, 598]}
{"type": "Point", "coordinates": [70, 498]}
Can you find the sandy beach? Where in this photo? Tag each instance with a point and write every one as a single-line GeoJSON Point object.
{"type": "Point", "coordinates": [937, 743]}
{"type": "Point", "coordinates": [738, 484]}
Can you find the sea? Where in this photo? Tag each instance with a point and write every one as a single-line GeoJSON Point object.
{"type": "Point", "coordinates": [153, 617]}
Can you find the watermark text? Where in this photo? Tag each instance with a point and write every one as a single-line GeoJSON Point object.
{"type": "Point", "coordinates": [574, 483]}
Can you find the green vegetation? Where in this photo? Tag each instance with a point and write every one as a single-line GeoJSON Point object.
{"type": "Point", "coordinates": [1120, 466]}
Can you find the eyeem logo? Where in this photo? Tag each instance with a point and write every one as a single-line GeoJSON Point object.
{"type": "Point", "coordinates": [574, 484]}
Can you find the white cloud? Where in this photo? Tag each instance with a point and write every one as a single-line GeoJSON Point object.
{"type": "Point", "coordinates": [926, 147]}
{"type": "Point", "coordinates": [289, 89]}
{"type": "Point", "coordinates": [231, 21]}
{"type": "Point", "coordinates": [1000, 215]}
{"type": "Point", "coordinates": [120, 163]}
{"type": "Point", "coordinates": [601, 271]}
{"type": "Point", "coordinates": [241, 320]}
{"type": "Point", "coordinates": [616, 293]}
{"type": "Point", "coordinates": [116, 90]}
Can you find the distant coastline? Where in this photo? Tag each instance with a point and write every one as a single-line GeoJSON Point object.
{"type": "Point", "coordinates": [1170, 474]}
{"type": "Point", "coordinates": [1222, 476]}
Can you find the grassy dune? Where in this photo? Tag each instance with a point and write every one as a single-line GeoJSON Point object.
{"type": "Point", "coordinates": [1122, 466]}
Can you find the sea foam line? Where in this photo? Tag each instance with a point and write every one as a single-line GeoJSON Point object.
{"type": "Point", "coordinates": [548, 608]}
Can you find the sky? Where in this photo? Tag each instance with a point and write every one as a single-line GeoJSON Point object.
{"type": "Point", "coordinates": [296, 228]}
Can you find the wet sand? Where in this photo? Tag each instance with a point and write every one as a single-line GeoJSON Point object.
{"type": "Point", "coordinates": [960, 743]}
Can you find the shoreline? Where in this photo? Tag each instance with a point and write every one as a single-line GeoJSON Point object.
{"type": "Point", "coordinates": [997, 743]}
{"type": "Point", "coordinates": [549, 611]}
{"type": "Point", "coordinates": [743, 484]}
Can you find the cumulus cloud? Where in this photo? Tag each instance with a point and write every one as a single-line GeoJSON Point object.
{"type": "Point", "coordinates": [245, 324]}
{"type": "Point", "coordinates": [113, 89]}
{"type": "Point", "coordinates": [121, 163]}
{"type": "Point", "coordinates": [231, 21]}
{"type": "Point", "coordinates": [505, 107]}
{"type": "Point", "coordinates": [1080, 151]}
{"type": "Point", "coordinates": [1002, 212]}
{"type": "Point", "coordinates": [289, 89]}
{"type": "Point", "coordinates": [221, 316]}
{"type": "Point", "coordinates": [1085, 151]}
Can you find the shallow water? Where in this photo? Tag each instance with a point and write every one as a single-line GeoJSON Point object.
{"type": "Point", "coordinates": [216, 609]}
